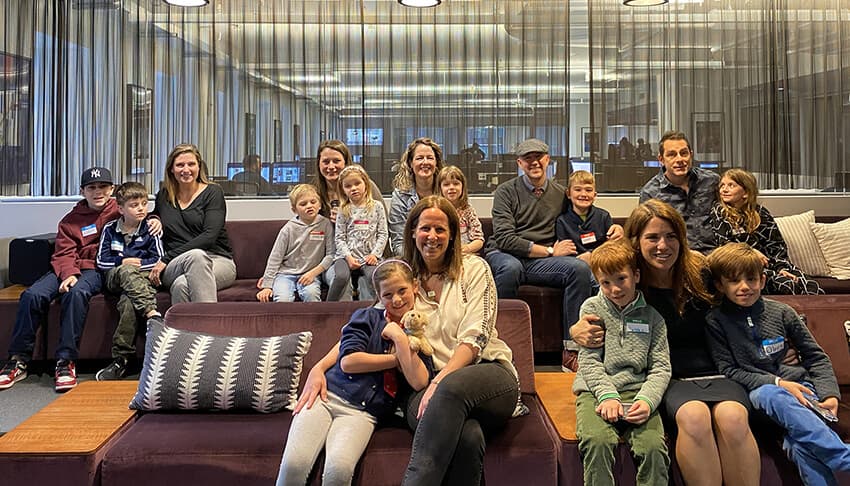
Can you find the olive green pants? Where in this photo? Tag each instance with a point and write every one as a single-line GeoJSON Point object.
{"type": "Point", "coordinates": [598, 439]}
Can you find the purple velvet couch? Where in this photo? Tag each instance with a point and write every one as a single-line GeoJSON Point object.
{"type": "Point", "coordinates": [245, 448]}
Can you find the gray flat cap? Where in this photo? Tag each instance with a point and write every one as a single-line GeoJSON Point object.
{"type": "Point", "coordinates": [531, 145]}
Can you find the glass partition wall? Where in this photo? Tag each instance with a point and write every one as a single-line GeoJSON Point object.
{"type": "Point", "coordinates": [758, 84]}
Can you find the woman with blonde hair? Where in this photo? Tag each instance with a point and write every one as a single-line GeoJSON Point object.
{"type": "Point", "coordinates": [739, 218]}
{"type": "Point", "coordinates": [714, 443]}
{"type": "Point", "coordinates": [198, 260]}
{"type": "Point", "coordinates": [416, 177]}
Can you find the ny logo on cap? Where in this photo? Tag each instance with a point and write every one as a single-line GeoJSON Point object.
{"type": "Point", "coordinates": [94, 173]}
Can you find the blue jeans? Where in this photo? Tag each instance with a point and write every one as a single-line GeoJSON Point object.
{"type": "Point", "coordinates": [33, 307]}
{"type": "Point", "coordinates": [285, 286]}
{"type": "Point", "coordinates": [566, 272]}
{"type": "Point", "coordinates": [809, 442]}
{"type": "Point", "coordinates": [448, 444]}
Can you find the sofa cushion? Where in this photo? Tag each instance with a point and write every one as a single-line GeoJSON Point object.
{"type": "Point", "coordinates": [834, 241]}
{"type": "Point", "coordinates": [252, 241]}
{"type": "Point", "coordinates": [803, 248]}
{"type": "Point", "coordinates": [195, 452]}
{"type": "Point", "coordinates": [186, 370]}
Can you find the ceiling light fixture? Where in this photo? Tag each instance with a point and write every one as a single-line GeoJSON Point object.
{"type": "Point", "coordinates": [644, 3]}
{"type": "Point", "coordinates": [420, 3]}
{"type": "Point", "coordinates": [187, 3]}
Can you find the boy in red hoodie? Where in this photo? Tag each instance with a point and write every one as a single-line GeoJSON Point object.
{"type": "Point", "coordinates": [74, 279]}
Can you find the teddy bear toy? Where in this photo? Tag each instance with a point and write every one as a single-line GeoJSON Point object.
{"type": "Point", "coordinates": [414, 324]}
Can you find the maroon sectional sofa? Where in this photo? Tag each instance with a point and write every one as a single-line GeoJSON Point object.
{"type": "Point", "coordinates": [245, 448]}
{"type": "Point", "coordinates": [252, 242]}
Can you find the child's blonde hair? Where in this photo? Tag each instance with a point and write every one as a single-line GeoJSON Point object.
{"type": "Point", "coordinates": [344, 202]}
{"type": "Point", "coordinates": [386, 269]}
{"type": "Point", "coordinates": [734, 260]}
{"type": "Point", "coordinates": [612, 257]}
{"type": "Point", "coordinates": [454, 172]}
{"type": "Point", "coordinates": [300, 191]}
{"type": "Point", "coordinates": [747, 217]}
{"type": "Point", "coordinates": [581, 177]}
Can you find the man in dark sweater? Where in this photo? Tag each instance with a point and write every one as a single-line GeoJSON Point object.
{"type": "Point", "coordinates": [523, 248]}
{"type": "Point", "coordinates": [749, 338]}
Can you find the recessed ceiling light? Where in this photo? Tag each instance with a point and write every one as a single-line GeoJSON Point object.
{"type": "Point", "coordinates": [420, 3]}
{"type": "Point", "coordinates": [644, 3]}
{"type": "Point", "coordinates": [187, 3]}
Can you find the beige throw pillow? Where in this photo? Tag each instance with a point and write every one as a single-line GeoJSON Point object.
{"type": "Point", "coordinates": [834, 240]}
{"type": "Point", "coordinates": [803, 248]}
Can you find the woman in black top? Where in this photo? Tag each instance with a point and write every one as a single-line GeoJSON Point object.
{"type": "Point", "coordinates": [198, 260]}
{"type": "Point", "coordinates": [714, 444]}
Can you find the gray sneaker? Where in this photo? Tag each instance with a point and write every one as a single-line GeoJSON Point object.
{"type": "Point", "coordinates": [115, 371]}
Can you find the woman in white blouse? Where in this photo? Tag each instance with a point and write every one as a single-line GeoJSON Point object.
{"type": "Point", "coordinates": [475, 377]}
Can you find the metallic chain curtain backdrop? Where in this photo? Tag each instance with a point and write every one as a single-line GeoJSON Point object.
{"type": "Point", "coordinates": [758, 84]}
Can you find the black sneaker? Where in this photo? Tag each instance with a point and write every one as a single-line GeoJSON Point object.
{"type": "Point", "coordinates": [66, 375]}
{"type": "Point", "coordinates": [115, 371]}
{"type": "Point", "coordinates": [12, 372]}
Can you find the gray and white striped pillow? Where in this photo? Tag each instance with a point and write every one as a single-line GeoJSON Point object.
{"type": "Point", "coordinates": [803, 248]}
{"type": "Point", "coordinates": [186, 370]}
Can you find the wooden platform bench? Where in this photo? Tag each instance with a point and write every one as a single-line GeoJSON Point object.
{"type": "Point", "coordinates": [64, 442]}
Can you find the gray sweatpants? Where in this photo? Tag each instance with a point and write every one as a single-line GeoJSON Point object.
{"type": "Point", "coordinates": [343, 430]}
{"type": "Point", "coordinates": [196, 275]}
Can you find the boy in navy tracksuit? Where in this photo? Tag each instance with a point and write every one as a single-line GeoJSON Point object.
{"type": "Point", "coordinates": [585, 224]}
{"type": "Point", "coordinates": [74, 280]}
{"type": "Point", "coordinates": [126, 255]}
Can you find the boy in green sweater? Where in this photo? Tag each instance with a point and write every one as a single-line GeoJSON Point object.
{"type": "Point", "coordinates": [619, 387]}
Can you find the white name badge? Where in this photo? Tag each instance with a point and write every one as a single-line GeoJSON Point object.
{"type": "Point", "coordinates": [317, 236]}
{"type": "Point", "coordinates": [89, 230]}
{"type": "Point", "coordinates": [116, 245]}
{"type": "Point", "coordinates": [637, 325]}
{"type": "Point", "coordinates": [772, 346]}
{"type": "Point", "coordinates": [588, 238]}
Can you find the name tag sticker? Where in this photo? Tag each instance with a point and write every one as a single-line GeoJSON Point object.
{"type": "Point", "coordinates": [116, 245]}
{"type": "Point", "coordinates": [89, 230]}
{"type": "Point", "coordinates": [361, 221]}
{"type": "Point", "coordinates": [637, 325]}
{"type": "Point", "coordinates": [774, 345]}
{"type": "Point", "coordinates": [587, 238]}
{"type": "Point", "coordinates": [317, 236]}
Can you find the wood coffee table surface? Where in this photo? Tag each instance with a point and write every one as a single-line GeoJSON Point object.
{"type": "Point", "coordinates": [80, 421]}
{"type": "Point", "coordinates": [555, 390]}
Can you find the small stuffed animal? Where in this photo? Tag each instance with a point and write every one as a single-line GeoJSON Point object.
{"type": "Point", "coordinates": [414, 326]}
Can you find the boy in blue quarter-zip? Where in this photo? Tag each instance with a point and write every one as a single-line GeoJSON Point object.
{"type": "Point", "coordinates": [126, 254]}
{"type": "Point", "coordinates": [619, 387]}
{"type": "Point", "coordinates": [750, 337]}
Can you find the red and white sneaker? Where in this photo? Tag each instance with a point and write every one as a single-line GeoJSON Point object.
{"type": "Point", "coordinates": [66, 375]}
{"type": "Point", "coordinates": [12, 372]}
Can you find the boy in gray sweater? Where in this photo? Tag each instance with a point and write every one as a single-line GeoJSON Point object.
{"type": "Point", "coordinates": [750, 337]}
{"type": "Point", "coordinates": [619, 386]}
{"type": "Point", "coordinates": [303, 250]}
